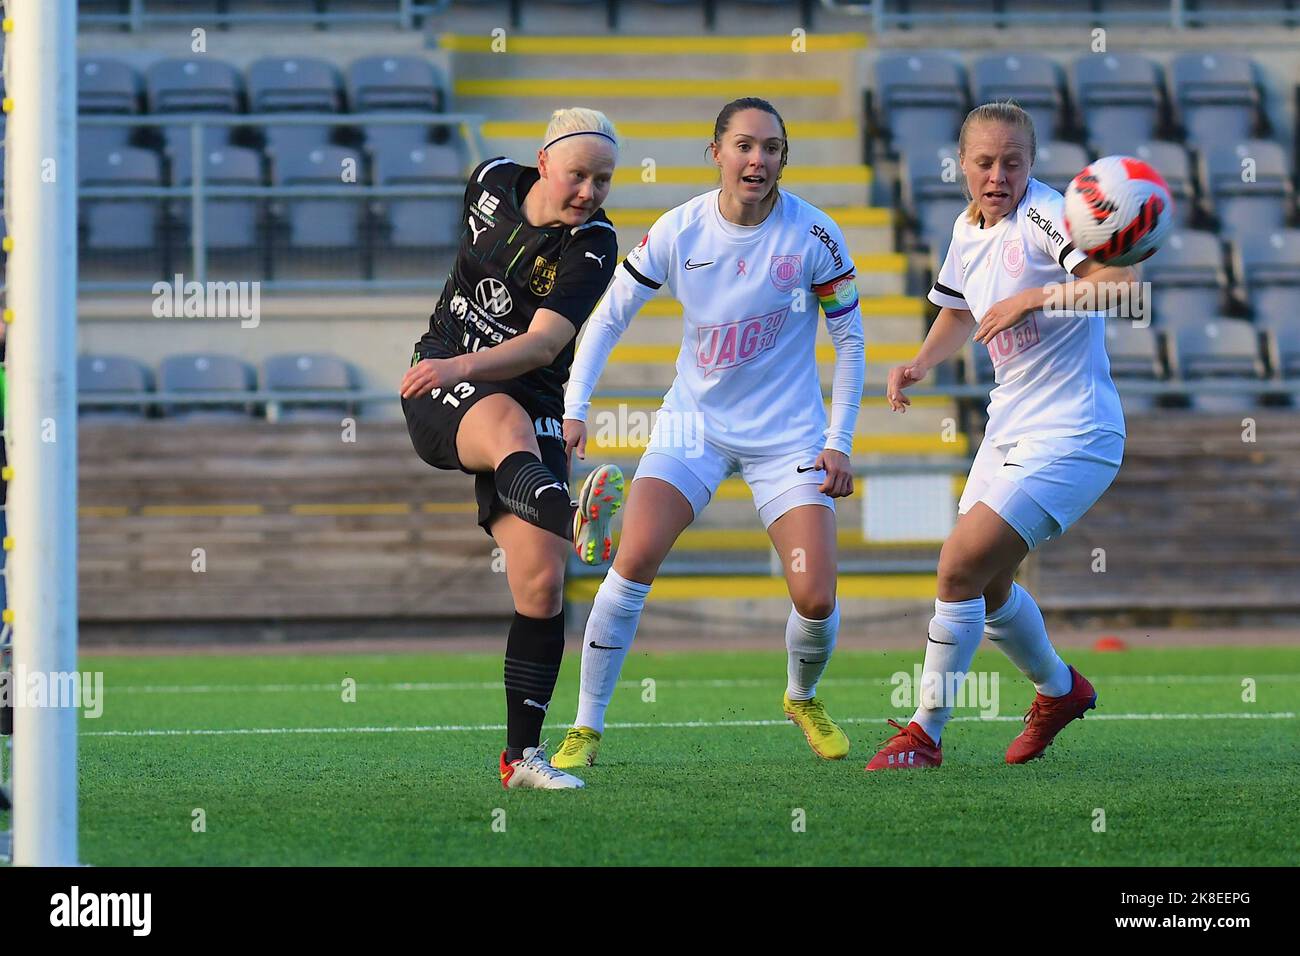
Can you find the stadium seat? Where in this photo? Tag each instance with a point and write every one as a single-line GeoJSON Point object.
{"type": "Point", "coordinates": [1119, 97]}
{"type": "Point", "coordinates": [1187, 275]}
{"type": "Point", "coordinates": [206, 372]}
{"type": "Point", "coordinates": [1268, 268]}
{"type": "Point", "coordinates": [1058, 162]}
{"type": "Point", "coordinates": [305, 372]}
{"type": "Point", "coordinates": [301, 84]}
{"type": "Point", "coordinates": [920, 98]}
{"type": "Point", "coordinates": [294, 84]}
{"type": "Point", "coordinates": [196, 85]}
{"type": "Point", "coordinates": [106, 85]}
{"type": "Point", "coordinates": [325, 222]}
{"type": "Point", "coordinates": [116, 225]}
{"type": "Point", "coordinates": [1171, 162]}
{"type": "Point", "coordinates": [1218, 348]}
{"type": "Point", "coordinates": [228, 223]}
{"type": "Point", "coordinates": [1216, 96]}
{"type": "Point", "coordinates": [420, 222]}
{"type": "Point", "coordinates": [1032, 80]}
{"type": "Point", "coordinates": [112, 375]}
{"type": "Point", "coordinates": [102, 139]}
{"type": "Point", "coordinates": [1248, 184]}
{"type": "Point", "coordinates": [386, 83]}
{"type": "Point", "coordinates": [1284, 351]}
{"type": "Point", "coordinates": [1134, 356]}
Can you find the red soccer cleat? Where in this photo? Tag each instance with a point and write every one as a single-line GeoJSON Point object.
{"type": "Point", "coordinates": [1048, 716]}
{"type": "Point", "coordinates": [910, 747]}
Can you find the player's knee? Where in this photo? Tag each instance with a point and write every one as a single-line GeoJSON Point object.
{"type": "Point", "coordinates": [637, 566]}
{"type": "Point", "coordinates": [542, 595]}
{"type": "Point", "coordinates": [959, 580]}
{"type": "Point", "coordinates": [815, 605]}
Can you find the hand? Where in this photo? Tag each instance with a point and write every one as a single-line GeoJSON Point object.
{"type": "Point", "coordinates": [1000, 317]}
{"type": "Point", "coordinates": [575, 438]}
{"type": "Point", "coordinates": [900, 377]}
{"type": "Point", "coordinates": [428, 374]}
{"type": "Point", "coordinates": [839, 473]}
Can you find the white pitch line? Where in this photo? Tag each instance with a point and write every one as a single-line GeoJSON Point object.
{"type": "Point", "coordinates": [648, 725]}
{"type": "Point", "coordinates": [668, 682]}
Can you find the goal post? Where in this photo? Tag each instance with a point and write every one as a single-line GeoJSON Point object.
{"type": "Point", "coordinates": [40, 210]}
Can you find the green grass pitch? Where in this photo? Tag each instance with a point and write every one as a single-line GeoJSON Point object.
{"type": "Point", "coordinates": [286, 771]}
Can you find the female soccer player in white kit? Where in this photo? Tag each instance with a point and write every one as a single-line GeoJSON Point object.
{"type": "Point", "coordinates": [1054, 439]}
{"type": "Point", "coordinates": [743, 260]}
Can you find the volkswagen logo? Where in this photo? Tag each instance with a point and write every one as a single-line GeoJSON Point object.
{"type": "Point", "coordinates": [492, 295]}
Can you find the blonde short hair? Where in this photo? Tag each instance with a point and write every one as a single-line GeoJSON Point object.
{"type": "Point", "coordinates": [579, 119]}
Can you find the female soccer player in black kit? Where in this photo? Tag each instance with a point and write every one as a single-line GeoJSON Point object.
{"type": "Point", "coordinates": [484, 394]}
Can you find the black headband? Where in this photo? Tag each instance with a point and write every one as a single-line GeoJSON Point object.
{"type": "Point", "coordinates": [581, 132]}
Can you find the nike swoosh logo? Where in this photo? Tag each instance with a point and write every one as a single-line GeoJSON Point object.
{"type": "Point", "coordinates": [948, 643]}
{"type": "Point", "coordinates": [802, 661]}
{"type": "Point", "coordinates": [538, 492]}
{"type": "Point", "coordinates": [698, 265]}
{"type": "Point", "coordinates": [1012, 464]}
{"type": "Point", "coordinates": [602, 647]}
{"type": "Point", "coordinates": [801, 470]}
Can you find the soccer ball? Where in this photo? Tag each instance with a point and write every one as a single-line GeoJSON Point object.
{"type": "Point", "coordinates": [1118, 210]}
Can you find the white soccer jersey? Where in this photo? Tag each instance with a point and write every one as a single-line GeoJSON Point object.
{"type": "Point", "coordinates": [749, 295]}
{"type": "Point", "coordinates": [1052, 371]}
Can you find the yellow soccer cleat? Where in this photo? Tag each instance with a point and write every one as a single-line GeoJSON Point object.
{"type": "Point", "coordinates": [824, 735]}
{"type": "Point", "coordinates": [578, 749]}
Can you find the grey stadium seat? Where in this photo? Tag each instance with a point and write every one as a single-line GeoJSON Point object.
{"type": "Point", "coordinates": [1134, 356]}
{"type": "Point", "coordinates": [1245, 204]}
{"type": "Point", "coordinates": [228, 223]}
{"type": "Point", "coordinates": [128, 224]}
{"type": "Point", "coordinates": [421, 222]}
{"type": "Point", "coordinates": [1268, 267]}
{"type": "Point", "coordinates": [106, 85]}
{"type": "Point", "coordinates": [102, 139]}
{"type": "Point", "coordinates": [1187, 275]}
{"type": "Point", "coordinates": [1171, 162]}
{"type": "Point", "coordinates": [394, 83]}
{"type": "Point", "coordinates": [1119, 97]}
{"type": "Point", "coordinates": [108, 376]}
{"type": "Point", "coordinates": [305, 372]}
{"type": "Point", "coordinates": [1216, 349]}
{"type": "Point", "coordinates": [194, 85]}
{"type": "Point", "coordinates": [921, 98]}
{"type": "Point", "coordinates": [931, 199]}
{"type": "Point", "coordinates": [1284, 351]}
{"type": "Point", "coordinates": [279, 84]}
{"type": "Point", "coordinates": [1031, 79]}
{"type": "Point", "coordinates": [1216, 95]}
{"type": "Point", "coordinates": [1058, 162]}
{"type": "Point", "coordinates": [206, 372]}
{"type": "Point", "coordinates": [325, 222]}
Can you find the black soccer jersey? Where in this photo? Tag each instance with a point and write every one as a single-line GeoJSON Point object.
{"type": "Point", "coordinates": [506, 269]}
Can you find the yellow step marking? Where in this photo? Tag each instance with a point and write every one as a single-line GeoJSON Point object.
{"type": "Point", "coordinates": [441, 508]}
{"type": "Point", "coordinates": [869, 443]}
{"type": "Point", "coordinates": [585, 46]}
{"type": "Point", "coordinates": [191, 511]}
{"type": "Point", "coordinates": [394, 508]}
{"type": "Point", "coordinates": [103, 511]}
{"type": "Point", "coordinates": [545, 88]}
{"type": "Point", "coordinates": [753, 539]}
{"type": "Point", "coordinates": [872, 306]}
{"type": "Point", "coordinates": [703, 131]}
{"type": "Point", "coordinates": [611, 406]}
{"type": "Point", "coordinates": [918, 587]}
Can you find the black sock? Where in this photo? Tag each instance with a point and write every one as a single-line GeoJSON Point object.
{"type": "Point", "coordinates": [531, 491]}
{"type": "Point", "coordinates": [533, 653]}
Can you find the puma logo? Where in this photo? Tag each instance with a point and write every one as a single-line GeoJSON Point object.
{"type": "Point", "coordinates": [532, 703]}
{"type": "Point", "coordinates": [600, 259]}
{"type": "Point", "coordinates": [477, 232]}
{"type": "Point", "coordinates": [538, 492]}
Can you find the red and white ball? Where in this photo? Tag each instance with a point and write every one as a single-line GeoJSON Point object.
{"type": "Point", "coordinates": [1118, 210]}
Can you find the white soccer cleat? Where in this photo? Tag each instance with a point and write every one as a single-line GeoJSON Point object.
{"type": "Point", "coordinates": [534, 772]}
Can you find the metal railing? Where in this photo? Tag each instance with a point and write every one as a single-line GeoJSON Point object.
{"type": "Point", "coordinates": [198, 193]}
{"type": "Point", "coordinates": [405, 14]}
{"type": "Point", "coordinates": [1175, 14]}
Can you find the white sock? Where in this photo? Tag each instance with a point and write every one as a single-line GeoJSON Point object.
{"type": "Point", "coordinates": [809, 645]}
{"type": "Point", "coordinates": [955, 632]}
{"type": "Point", "coordinates": [611, 626]}
{"type": "Point", "coordinates": [1017, 629]}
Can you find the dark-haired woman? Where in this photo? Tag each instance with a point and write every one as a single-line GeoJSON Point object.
{"type": "Point", "coordinates": [749, 263]}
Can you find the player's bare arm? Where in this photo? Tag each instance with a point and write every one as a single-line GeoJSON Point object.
{"type": "Point", "coordinates": [946, 336]}
{"type": "Point", "coordinates": [545, 339]}
{"type": "Point", "coordinates": [1088, 274]}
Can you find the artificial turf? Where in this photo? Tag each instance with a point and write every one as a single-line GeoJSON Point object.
{"type": "Point", "coordinates": [406, 773]}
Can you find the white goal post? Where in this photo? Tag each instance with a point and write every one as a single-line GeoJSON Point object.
{"type": "Point", "coordinates": [40, 210]}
